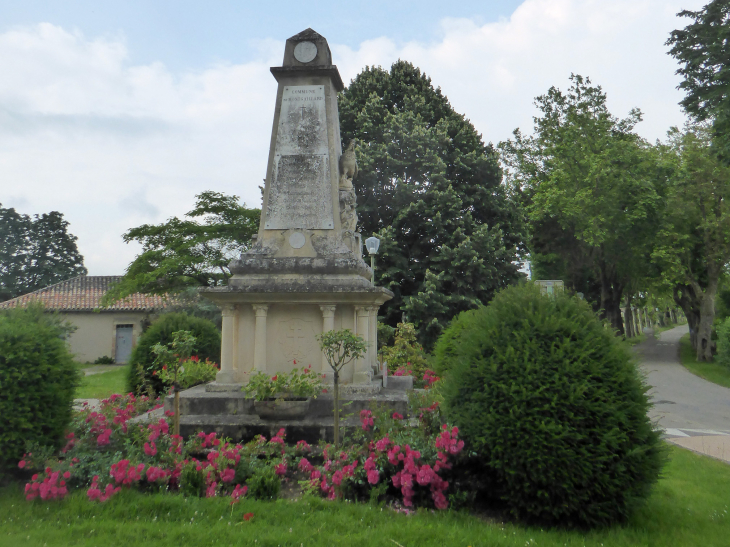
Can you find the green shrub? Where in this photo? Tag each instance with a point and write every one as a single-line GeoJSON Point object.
{"type": "Point", "coordinates": [207, 346]}
{"type": "Point", "coordinates": [37, 382]}
{"type": "Point", "coordinates": [264, 484]}
{"type": "Point", "coordinates": [553, 406]}
{"type": "Point", "coordinates": [105, 360]}
{"type": "Point", "coordinates": [723, 343]}
{"type": "Point", "coordinates": [406, 353]}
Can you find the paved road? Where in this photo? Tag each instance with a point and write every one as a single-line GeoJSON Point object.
{"type": "Point", "coordinates": [693, 412]}
{"type": "Point", "coordinates": [681, 399]}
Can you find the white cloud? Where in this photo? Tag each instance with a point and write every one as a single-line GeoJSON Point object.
{"type": "Point", "coordinates": [113, 144]}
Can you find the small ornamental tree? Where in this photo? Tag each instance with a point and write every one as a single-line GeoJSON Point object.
{"type": "Point", "coordinates": [340, 347]}
{"type": "Point", "coordinates": [171, 357]}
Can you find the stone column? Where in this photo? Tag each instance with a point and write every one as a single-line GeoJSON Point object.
{"type": "Point", "coordinates": [363, 373]}
{"type": "Point", "coordinates": [328, 324]}
{"type": "Point", "coordinates": [373, 344]}
{"type": "Point", "coordinates": [259, 344]}
{"type": "Point", "coordinates": [227, 373]}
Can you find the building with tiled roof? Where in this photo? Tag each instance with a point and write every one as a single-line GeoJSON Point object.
{"type": "Point", "coordinates": [84, 293]}
{"type": "Point", "coordinates": [100, 331]}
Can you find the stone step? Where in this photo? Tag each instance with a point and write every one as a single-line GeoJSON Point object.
{"type": "Point", "coordinates": [243, 428]}
{"type": "Point", "coordinates": [198, 401]}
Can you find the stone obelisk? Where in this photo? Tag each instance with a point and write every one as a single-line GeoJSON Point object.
{"type": "Point", "coordinates": [305, 273]}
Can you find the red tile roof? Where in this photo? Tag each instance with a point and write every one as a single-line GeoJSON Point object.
{"type": "Point", "coordinates": [83, 293]}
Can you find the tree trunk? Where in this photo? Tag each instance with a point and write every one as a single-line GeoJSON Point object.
{"type": "Point", "coordinates": [611, 296]}
{"type": "Point", "coordinates": [705, 347]}
{"type": "Point", "coordinates": [685, 297]}
{"type": "Point", "coordinates": [629, 319]}
{"type": "Point", "coordinates": [337, 408]}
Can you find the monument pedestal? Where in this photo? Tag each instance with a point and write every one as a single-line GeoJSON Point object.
{"type": "Point", "coordinates": [275, 331]}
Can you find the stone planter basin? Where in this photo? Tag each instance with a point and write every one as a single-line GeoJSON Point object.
{"type": "Point", "coordinates": [294, 408]}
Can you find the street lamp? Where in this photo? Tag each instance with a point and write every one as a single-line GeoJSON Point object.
{"type": "Point", "coordinates": [372, 244]}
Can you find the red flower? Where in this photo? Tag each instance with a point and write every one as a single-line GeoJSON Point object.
{"type": "Point", "coordinates": [273, 378]}
{"type": "Point", "coordinates": [248, 516]}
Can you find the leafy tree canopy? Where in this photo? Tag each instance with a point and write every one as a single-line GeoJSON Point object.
{"type": "Point", "coordinates": [590, 187]}
{"type": "Point", "coordinates": [432, 191]}
{"type": "Point", "coordinates": [703, 47]}
{"type": "Point", "coordinates": [194, 251]}
{"type": "Point", "coordinates": [693, 240]}
{"type": "Point", "coordinates": [35, 252]}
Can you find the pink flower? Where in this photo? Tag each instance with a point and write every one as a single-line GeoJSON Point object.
{"type": "Point", "coordinates": [280, 469]}
{"type": "Point", "coordinates": [373, 476]}
{"type": "Point", "coordinates": [67, 475]}
{"type": "Point", "coordinates": [210, 491]}
{"type": "Point", "coordinates": [424, 475]}
{"type": "Point", "coordinates": [21, 464]}
{"type": "Point", "coordinates": [228, 475]}
{"type": "Point", "coordinates": [150, 449]}
{"type": "Point", "coordinates": [382, 444]}
{"type": "Point", "coordinates": [366, 418]}
{"type": "Point", "coordinates": [397, 416]}
{"type": "Point", "coordinates": [103, 439]}
{"type": "Point", "coordinates": [238, 492]}
{"type": "Point", "coordinates": [305, 466]}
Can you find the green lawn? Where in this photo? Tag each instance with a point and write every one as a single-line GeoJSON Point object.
{"type": "Point", "coordinates": [104, 384]}
{"type": "Point", "coordinates": [711, 372]}
{"type": "Point", "coordinates": [687, 508]}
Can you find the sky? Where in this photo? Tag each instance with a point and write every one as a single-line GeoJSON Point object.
{"type": "Point", "coordinates": [117, 114]}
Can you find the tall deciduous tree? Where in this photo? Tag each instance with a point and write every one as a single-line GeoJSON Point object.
{"type": "Point", "coordinates": [35, 252]}
{"type": "Point", "coordinates": [703, 48]}
{"type": "Point", "coordinates": [432, 191]}
{"type": "Point", "coordinates": [590, 186]}
{"type": "Point", "coordinates": [694, 240]}
{"type": "Point", "coordinates": [192, 252]}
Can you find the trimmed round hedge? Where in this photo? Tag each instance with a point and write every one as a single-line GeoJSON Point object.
{"type": "Point", "coordinates": [207, 346]}
{"type": "Point", "coordinates": [37, 382]}
{"type": "Point", "coordinates": [553, 406]}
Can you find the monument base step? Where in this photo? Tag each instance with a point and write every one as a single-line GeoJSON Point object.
{"type": "Point", "coordinates": [243, 428]}
{"type": "Point", "coordinates": [202, 409]}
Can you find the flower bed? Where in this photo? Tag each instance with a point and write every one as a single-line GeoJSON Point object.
{"type": "Point", "coordinates": [389, 458]}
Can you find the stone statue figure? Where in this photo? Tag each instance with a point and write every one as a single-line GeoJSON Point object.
{"type": "Point", "coordinates": [348, 166]}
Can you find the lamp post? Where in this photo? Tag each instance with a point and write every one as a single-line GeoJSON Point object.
{"type": "Point", "coordinates": [372, 244]}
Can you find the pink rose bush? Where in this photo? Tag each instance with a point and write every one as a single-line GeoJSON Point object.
{"type": "Point", "coordinates": [406, 461]}
{"type": "Point", "coordinates": [401, 459]}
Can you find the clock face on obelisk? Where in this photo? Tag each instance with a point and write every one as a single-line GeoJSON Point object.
{"type": "Point", "coordinates": [304, 52]}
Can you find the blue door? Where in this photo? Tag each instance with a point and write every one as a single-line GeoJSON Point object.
{"type": "Point", "coordinates": [123, 343]}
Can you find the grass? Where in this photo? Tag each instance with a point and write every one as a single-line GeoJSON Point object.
{"type": "Point", "coordinates": [712, 372]}
{"type": "Point", "coordinates": [688, 507]}
{"type": "Point", "coordinates": [103, 384]}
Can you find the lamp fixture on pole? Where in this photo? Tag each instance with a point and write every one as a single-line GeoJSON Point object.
{"type": "Point", "coordinates": [372, 244]}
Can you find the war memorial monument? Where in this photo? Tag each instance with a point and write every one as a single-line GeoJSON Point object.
{"type": "Point", "coordinates": [304, 274]}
